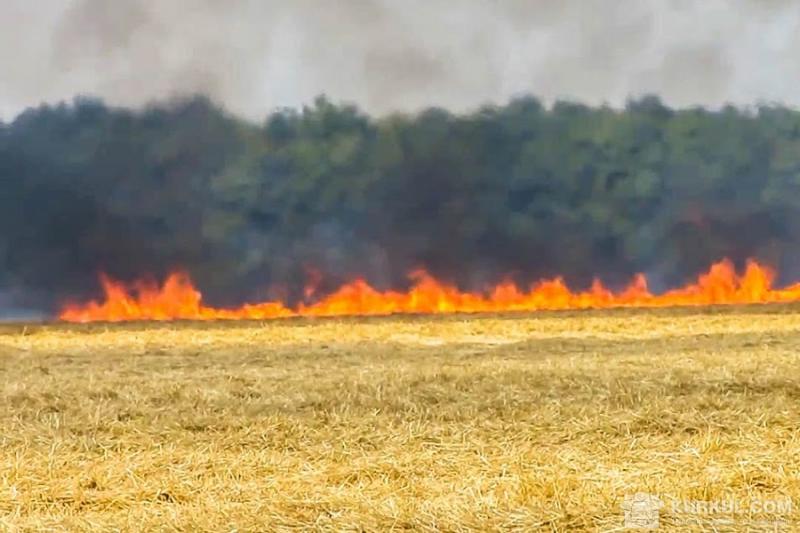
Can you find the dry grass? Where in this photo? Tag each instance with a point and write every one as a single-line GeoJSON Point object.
{"type": "Point", "coordinates": [458, 423]}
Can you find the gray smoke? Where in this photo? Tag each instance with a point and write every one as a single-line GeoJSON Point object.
{"type": "Point", "coordinates": [385, 55]}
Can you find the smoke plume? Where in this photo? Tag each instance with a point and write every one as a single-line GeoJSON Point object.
{"type": "Point", "coordinates": [441, 161]}
{"type": "Point", "coordinates": [256, 56]}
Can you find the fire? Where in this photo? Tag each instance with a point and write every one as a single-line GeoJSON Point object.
{"type": "Point", "coordinates": [177, 298]}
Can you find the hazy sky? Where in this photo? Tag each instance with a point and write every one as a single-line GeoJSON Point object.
{"type": "Point", "coordinates": [388, 55]}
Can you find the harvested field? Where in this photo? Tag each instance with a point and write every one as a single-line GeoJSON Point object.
{"type": "Point", "coordinates": [518, 422]}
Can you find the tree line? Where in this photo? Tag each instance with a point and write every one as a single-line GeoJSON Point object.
{"type": "Point", "coordinates": [251, 210]}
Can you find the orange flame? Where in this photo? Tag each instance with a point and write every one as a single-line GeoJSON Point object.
{"type": "Point", "coordinates": [177, 298]}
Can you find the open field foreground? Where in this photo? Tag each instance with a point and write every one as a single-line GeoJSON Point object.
{"type": "Point", "coordinates": [527, 422]}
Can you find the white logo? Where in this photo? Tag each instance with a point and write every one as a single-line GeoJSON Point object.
{"type": "Point", "coordinates": [641, 511]}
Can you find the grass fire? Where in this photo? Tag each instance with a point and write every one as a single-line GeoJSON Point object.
{"type": "Point", "coordinates": [177, 298]}
{"type": "Point", "coordinates": [372, 265]}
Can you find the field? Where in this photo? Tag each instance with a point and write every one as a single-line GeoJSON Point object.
{"type": "Point", "coordinates": [517, 422]}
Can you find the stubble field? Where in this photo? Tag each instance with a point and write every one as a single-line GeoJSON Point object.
{"type": "Point", "coordinates": [459, 423]}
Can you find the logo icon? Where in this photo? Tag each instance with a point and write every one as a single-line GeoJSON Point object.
{"type": "Point", "coordinates": [641, 511]}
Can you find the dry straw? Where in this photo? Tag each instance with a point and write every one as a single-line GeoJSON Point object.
{"type": "Point", "coordinates": [456, 423]}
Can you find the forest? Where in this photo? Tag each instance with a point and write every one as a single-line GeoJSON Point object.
{"type": "Point", "coordinates": [327, 193]}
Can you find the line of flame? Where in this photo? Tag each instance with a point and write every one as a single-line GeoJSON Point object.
{"type": "Point", "coordinates": [177, 298]}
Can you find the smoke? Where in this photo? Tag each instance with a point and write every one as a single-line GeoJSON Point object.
{"type": "Point", "coordinates": [255, 56]}
{"type": "Point", "coordinates": [249, 199]}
